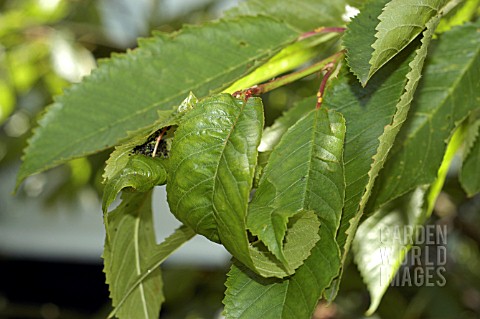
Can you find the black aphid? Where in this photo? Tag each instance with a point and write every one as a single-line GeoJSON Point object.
{"type": "Point", "coordinates": [148, 147]}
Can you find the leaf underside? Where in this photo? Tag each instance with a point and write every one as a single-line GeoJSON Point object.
{"type": "Point", "coordinates": [359, 37]}
{"type": "Point", "coordinates": [155, 258]}
{"type": "Point", "coordinates": [129, 242]}
{"type": "Point", "coordinates": [378, 252]}
{"type": "Point", "coordinates": [400, 23]}
{"type": "Point", "coordinates": [383, 239]}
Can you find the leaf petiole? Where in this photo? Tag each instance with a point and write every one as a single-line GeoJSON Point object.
{"type": "Point", "coordinates": [320, 31]}
{"type": "Point", "coordinates": [289, 78]}
{"type": "Point", "coordinates": [329, 68]}
{"type": "Point", "coordinates": [157, 141]}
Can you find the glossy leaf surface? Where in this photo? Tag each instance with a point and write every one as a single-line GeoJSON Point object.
{"type": "Point", "coordinates": [305, 171]}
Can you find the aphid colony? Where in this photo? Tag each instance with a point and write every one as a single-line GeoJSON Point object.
{"type": "Point", "coordinates": [157, 145]}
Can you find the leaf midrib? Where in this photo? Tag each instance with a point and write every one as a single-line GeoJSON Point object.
{"type": "Point", "coordinates": [138, 267]}
{"type": "Point", "coordinates": [128, 118]}
{"type": "Point", "coordinates": [451, 91]}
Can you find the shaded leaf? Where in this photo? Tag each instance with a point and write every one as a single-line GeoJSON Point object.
{"type": "Point", "coordinates": [126, 92]}
{"type": "Point", "coordinates": [141, 173]}
{"type": "Point", "coordinates": [157, 257]}
{"type": "Point", "coordinates": [448, 92]}
{"type": "Point", "coordinates": [305, 171]}
{"type": "Point", "coordinates": [128, 246]}
{"type": "Point", "coordinates": [400, 23]}
{"type": "Point", "coordinates": [377, 253]}
{"type": "Point", "coordinates": [272, 134]}
{"type": "Point", "coordinates": [470, 172]}
{"type": "Point", "coordinates": [305, 15]}
{"type": "Point", "coordinates": [391, 130]}
{"type": "Point", "coordinates": [359, 37]}
{"type": "Point", "coordinates": [367, 111]}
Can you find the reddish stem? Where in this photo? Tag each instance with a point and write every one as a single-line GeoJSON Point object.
{"type": "Point", "coordinates": [321, 30]}
{"type": "Point", "coordinates": [329, 68]}
{"type": "Point", "coordinates": [159, 138]}
{"type": "Point", "coordinates": [289, 78]}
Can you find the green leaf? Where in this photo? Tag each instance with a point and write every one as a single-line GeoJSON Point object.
{"type": "Point", "coordinates": [272, 134]}
{"type": "Point", "coordinates": [129, 244]}
{"type": "Point", "coordinates": [305, 171]}
{"type": "Point", "coordinates": [367, 111]}
{"type": "Point", "coordinates": [448, 92]}
{"type": "Point", "coordinates": [462, 14]}
{"type": "Point", "coordinates": [391, 130]}
{"type": "Point", "coordinates": [470, 172]}
{"type": "Point", "coordinates": [217, 127]}
{"type": "Point", "coordinates": [126, 92]}
{"type": "Point", "coordinates": [289, 58]}
{"type": "Point", "coordinates": [359, 37]}
{"type": "Point", "coordinates": [213, 159]}
{"type": "Point", "coordinates": [120, 156]}
{"type": "Point", "coordinates": [305, 15]}
{"type": "Point", "coordinates": [157, 257]}
{"type": "Point", "coordinates": [141, 173]}
{"type": "Point", "coordinates": [400, 23]}
{"type": "Point", "coordinates": [377, 253]}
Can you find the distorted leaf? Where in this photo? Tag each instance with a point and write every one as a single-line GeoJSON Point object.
{"type": "Point", "coordinates": [126, 92]}
{"type": "Point", "coordinates": [305, 171]}
{"type": "Point", "coordinates": [129, 243]}
{"type": "Point", "coordinates": [144, 137]}
{"type": "Point", "coordinates": [141, 174]}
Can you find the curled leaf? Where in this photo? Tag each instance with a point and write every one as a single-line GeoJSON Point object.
{"type": "Point", "coordinates": [141, 173]}
{"type": "Point", "coordinates": [142, 141]}
{"type": "Point", "coordinates": [212, 167]}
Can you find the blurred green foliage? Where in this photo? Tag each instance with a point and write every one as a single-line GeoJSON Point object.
{"type": "Point", "coordinates": [45, 45]}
